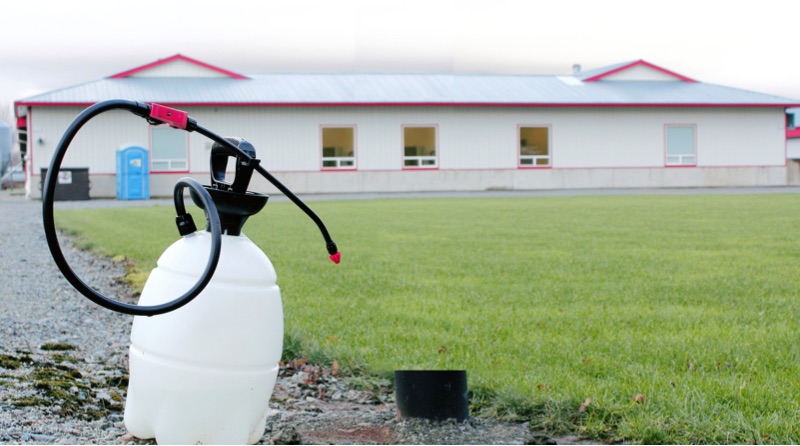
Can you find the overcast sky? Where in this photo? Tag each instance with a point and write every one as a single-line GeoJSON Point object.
{"type": "Point", "coordinates": [48, 44]}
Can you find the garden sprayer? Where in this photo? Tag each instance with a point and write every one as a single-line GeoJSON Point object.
{"type": "Point", "coordinates": [203, 374]}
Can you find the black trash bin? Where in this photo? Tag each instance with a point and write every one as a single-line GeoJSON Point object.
{"type": "Point", "coordinates": [72, 184]}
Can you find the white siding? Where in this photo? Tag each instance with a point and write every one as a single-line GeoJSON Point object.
{"type": "Point", "coordinates": [741, 137]}
{"type": "Point", "coordinates": [598, 137]}
{"type": "Point", "coordinates": [477, 147]}
{"type": "Point", "coordinates": [793, 148]}
{"type": "Point", "coordinates": [94, 146]}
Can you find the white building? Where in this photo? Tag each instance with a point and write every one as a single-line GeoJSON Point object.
{"type": "Point", "coordinates": [629, 125]}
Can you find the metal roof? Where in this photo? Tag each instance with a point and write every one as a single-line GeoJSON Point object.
{"type": "Point", "coordinates": [408, 89]}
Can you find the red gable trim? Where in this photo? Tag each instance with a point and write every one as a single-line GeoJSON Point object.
{"type": "Point", "coordinates": [174, 58]}
{"type": "Point", "coordinates": [637, 63]}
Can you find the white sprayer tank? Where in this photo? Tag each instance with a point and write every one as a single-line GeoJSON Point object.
{"type": "Point", "coordinates": [203, 374]}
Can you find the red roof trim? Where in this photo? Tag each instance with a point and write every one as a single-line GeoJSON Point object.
{"type": "Point", "coordinates": [172, 59]}
{"type": "Point", "coordinates": [414, 104]}
{"type": "Point", "coordinates": [637, 63]}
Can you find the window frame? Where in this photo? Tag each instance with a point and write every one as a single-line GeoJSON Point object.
{"type": "Point", "coordinates": [338, 159]}
{"type": "Point", "coordinates": [519, 155]}
{"type": "Point", "coordinates": [667, 155]}
{"type": "Point", "coordinates": [419, 158]}
{"type": "Point", "coordinates": [154, 159]}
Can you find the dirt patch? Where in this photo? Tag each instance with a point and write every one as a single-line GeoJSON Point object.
{"type": "Point", "coordinates": [315, 405]}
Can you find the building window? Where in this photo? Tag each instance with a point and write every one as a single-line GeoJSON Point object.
{"type": "Point", "coordinates": [681, 145]}
{"type": "Point", "coordinates": [169, 149]}
{"type": "Point", "coordinates": [419, 147]}
{"type": "Point", "coordinates": [534, 146]}
{"type": "Point", "coordinates": [338, 148]}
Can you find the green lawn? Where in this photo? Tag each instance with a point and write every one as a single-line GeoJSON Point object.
{"type": "Point", "coordinates": [689, 301]}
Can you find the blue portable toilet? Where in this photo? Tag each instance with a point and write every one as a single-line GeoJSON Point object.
{"type": "Point", "coordinates": [133, 174]}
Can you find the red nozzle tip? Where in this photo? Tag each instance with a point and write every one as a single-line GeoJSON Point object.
{"type": "Point", "coordinates": [336, 258]}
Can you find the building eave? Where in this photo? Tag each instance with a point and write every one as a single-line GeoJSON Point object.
{"type": "Point", "coordinates": [425, 104]}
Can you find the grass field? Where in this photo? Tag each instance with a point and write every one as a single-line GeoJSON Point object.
{"type": "Point", "coordinates": [655, 319]}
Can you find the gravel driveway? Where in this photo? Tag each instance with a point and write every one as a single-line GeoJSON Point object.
{"type": "Point", "coordinates": [63, 358]}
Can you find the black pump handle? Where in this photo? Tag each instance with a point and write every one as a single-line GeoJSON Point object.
{"type": "Point", "coordinates": [220, 154]}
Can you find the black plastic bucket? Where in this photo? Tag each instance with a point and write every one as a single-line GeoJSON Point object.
{"type": "Point", "coordinates": [431, 394]}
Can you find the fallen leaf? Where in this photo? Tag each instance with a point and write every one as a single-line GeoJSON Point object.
{"type": "Point", "coordinates": [585, 405]}
{"type": "Point", "coordinates": [335, 369]}
{"type": "Point", "coordinates": [442, 349]}
{"type": "Point", "coordinates": [639, 398]}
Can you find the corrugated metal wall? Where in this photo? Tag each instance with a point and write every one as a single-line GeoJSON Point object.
{"type": "Point", "coordinates": [621, 147]}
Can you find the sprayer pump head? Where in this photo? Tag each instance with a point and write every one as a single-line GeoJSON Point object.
{"type": "Point", "coordinates": [234, 203]}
